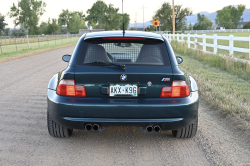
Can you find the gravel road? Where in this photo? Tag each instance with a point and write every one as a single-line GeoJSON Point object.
{"type": "Point", "coordinates": [24, 139]}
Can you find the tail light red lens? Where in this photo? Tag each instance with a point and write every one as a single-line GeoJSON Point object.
{"type": "Point", "coordinates": [69, 88]}
{"type": "Point", "coordinates": [178, 89]}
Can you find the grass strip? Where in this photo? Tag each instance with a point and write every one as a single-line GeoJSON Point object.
{"type": "Point", "coordinates": [32, 51]}
{"type": "Point", "coordinates": [224, 90]}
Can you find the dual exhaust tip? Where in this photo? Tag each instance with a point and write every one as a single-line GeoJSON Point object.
{"type": "Point", "coordinates": [151, 129]}
{"type": "Point", "coordinates": [90, 127]}
{"type": "Point", "coordinates": [96, 128]}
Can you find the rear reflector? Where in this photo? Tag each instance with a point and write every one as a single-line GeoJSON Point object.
{"type": "Point", "coordinates": [178, 89]}
{"type": "Point", "coordinates": [69, 88]}
{"type": "Point", "coordinates": [122, 38]}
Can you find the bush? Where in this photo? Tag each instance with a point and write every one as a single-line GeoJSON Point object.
{"type": "Point", "coordinates": [246, 26]}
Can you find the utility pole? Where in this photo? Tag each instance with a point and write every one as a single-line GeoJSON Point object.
{"type": "Point", "coordinates": [28, 37]}
{"type": "Point", "coordinates": [143, 17]}
{"type": "Point", "coordinates": [173, 17]}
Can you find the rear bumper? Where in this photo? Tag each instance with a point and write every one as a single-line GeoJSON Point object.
{"type": "Point", "coordinates": [170, 114]}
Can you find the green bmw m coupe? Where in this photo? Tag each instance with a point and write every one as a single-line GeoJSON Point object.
{"type": "Point", "coordinates": [116, 78]}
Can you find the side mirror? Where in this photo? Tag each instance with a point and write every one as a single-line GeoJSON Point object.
{"type": "Point", "coordinates": [66, 58]}
{"type": "Point", "coordinates": [179, 59]}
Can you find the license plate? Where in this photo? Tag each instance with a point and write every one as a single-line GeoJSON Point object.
{"type": "Point", "coordinates": [123, 90]}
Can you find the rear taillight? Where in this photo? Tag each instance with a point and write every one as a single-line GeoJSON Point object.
{"type": "Point", "coordinates": [178, 89]}
{"type": "Point", "coordinates": [69, 88]}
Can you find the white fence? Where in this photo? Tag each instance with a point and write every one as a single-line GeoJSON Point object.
{"type": "Point", "coordinates": [163, 32]}
{"type": "Point", "coordinates": [230, 48]}
{"type": "Point", "coordinates": [218, 31]}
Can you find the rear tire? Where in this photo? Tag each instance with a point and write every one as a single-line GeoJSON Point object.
{"type": "Point", "coordinates": [56, 130]}
{"type": "Point", "coordinates": [186, 132]}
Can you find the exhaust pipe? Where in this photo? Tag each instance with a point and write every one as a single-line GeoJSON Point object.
{"type": "Point", "coordinates": [96, 127]}
{"type": "Point", "coordinates": [88, 127]}
{"type": "Point", "coordinates": [149, 129]}
{"type": "Point", "coordinates": [157, 128]}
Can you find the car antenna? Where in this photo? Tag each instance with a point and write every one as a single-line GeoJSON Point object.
{"type": "Point", "coordinates": [123, 20]}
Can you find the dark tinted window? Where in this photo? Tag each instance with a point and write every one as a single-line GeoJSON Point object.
{"type": "Point", "coordinates": [129, 53]}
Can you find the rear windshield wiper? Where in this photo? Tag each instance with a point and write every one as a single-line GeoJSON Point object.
{"type": "Point", "coordinates": [105, 63]}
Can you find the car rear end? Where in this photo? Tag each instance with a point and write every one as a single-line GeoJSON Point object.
{"type": "Point", "coordinates": [95, 91]}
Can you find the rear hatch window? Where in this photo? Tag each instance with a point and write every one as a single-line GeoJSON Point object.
{"type": "Point", "coordinates": [100, 67]}
{"type": "Point", "coordinates": [128, 51]}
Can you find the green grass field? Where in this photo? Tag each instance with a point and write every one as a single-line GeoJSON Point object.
{"type": "Point", "coordinates": [240, 44]}
{"type": "Point", "coordinates": [9, 52]}
{"type": "Point", "coordinates": [17, 48]}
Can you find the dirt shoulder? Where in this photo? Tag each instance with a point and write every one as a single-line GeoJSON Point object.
{"type": "Point", "coordinates": [222, 142]}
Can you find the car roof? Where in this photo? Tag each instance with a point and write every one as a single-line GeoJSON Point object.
{"type": "Point", "coordinates": [120, 34]}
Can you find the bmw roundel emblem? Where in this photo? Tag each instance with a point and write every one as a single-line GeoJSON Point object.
{"type": "Point", "coordinates": [123, 77]}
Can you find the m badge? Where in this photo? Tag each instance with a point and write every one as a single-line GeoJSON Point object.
{"type": "Point", "coordinates": [165, 79]}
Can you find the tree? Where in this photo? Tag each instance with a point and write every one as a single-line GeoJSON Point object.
{"type": "Point", "coordinates": [28, 12]}
{"type": "Point", "coordinates": [43, 28]}
{"type": "Point", "coordinates": [72, 20]}
{"type": "Point", "coordinates": [104, 16]}
{"type": "Point", "coordinates": [246, 26]}
{"type": "Point", "coordinates": [2, 23]}
{"type": "Point", "coordinates": [150, 28]}
{"type": "Point", "coordinates": [164, 14]}
{"type": "Point", "coordinates": [53, 27]}
{"type": "Point", "coordinates": [230, 16]}
{"type": "Point", "coordinates": [7, 32]}
{"type": "Point", "coordinates": [190, 27]}
{"type": "Point", "coordinates": [126, 21]}
{"type": "Point", "coordinates": [203, 23]}
{"type": "Point", "coordinates": [22, 31]}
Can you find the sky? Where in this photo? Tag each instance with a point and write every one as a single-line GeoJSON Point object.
{"type": "Point", "coordinates": [55, 7]}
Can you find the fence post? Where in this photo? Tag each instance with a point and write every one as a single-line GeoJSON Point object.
{"type": "Point", "coordinates": [249, 46]}
{"type": "Point", "coordinates": [28, 41]}
{"type": "Point", "coordinates": [38, 42]}
{"type": "Point", "coordinates": [0, 46]}
{"type": "Point", "coordinates": [195, 41]}
{"type": "Point", "coordinates": [178, 37]}
{"type": "Point", "coordinates": [189, 40]}
{"type": "Point", "coordinates": [204, 42]}
{"type": "Point", "coordinates": [182, 37]}
{"type": "Point", "coordinates": [231, 45]}
{"type": "Point", "coordinates": [215, 43]}
{"type": "Point", "coordinates": [15, 44]}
